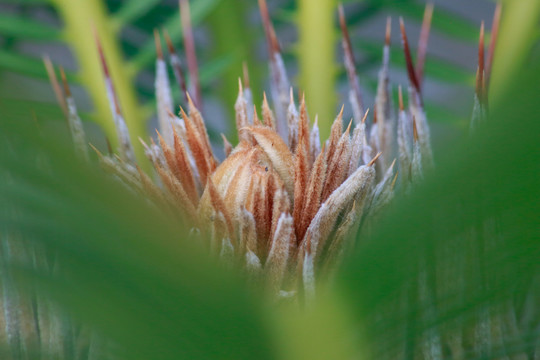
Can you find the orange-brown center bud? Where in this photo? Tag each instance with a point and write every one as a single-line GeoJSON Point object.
{"type": "Point", "coordinates": [247, 180]}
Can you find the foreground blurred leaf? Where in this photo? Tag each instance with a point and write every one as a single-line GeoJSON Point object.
{"type": "Point", "coordinates": [471, 228]}
{"type": "Point", "coordinates": [127, 269]}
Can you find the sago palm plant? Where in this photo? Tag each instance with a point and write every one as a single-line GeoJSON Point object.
{"type": "Point", "coordinates": [362, 246]}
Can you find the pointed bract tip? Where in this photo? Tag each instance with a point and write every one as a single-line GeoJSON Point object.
{"type": "Point", "coordinates": [348, 130]}
{"type": "Point", "coordinates": [303, 100]}
{"type": "Point", "coordinates": [388, 31]}
{"type": "Point", "coordinates": [481, 37]}
{"type": "Point", "coordinates": [263, 7]}
{"type": "Point", "coordinates": [183, 114]}
{"type": "Point", "coordinates": [117, 105]}
{"type": "Point", "coordinates": [268, 28]}
{"type": "Point", "coordinates": [481, 64]}
{"type": "Point", "coordinates": [349, 58]}
{"type": "Point", "coordinates": [245, 72]}
{"type": "Point", "coordinates": [291, 95]}
{"type": "Point", "coordinates": [168, 41]}
{"type": "Point", "coordinates": [481, 47]}
{"type": "Point", "coordinates": [428, 16]}
{"type": "Point", "coordinates": [410, 65]}
{"type": "Point", "coordinates": [393, 163]}
{"type": "Point", "coordinates": [161, 141]}
{"type": "Point", "coordinates": [143, 143]}
{"type": "Point", "coordinates": [170, 113]}
{"type": "Point", "coordinates": [365, 116]}
{"type": "Point", "coordinates": [191, 104]}
{"type": "Point", "coordinates": [67, 90]}
{"type": "Point", "coordinates": [496, 17]}
{"type": "Point", "coordinates": [394, 181]}
{"type": "Point", "coordinates": [256, 119]}
{"type": "Point", "coordinates": [240, 89]}
{"type": "Point", "coordinates": [109, 146]}
{"type": "Point", "coordinates": [482, 26]}
{"type": "Point", "coordinates": [342, 21]}
{"type": "Point", "coordinates": [496, 22]}
{"type": "Point", "coordinates": [96, 150]}
{"type": "Point", "coordinates": [274, 40]}
{"type": "Point", "coordinates": [101, 53]}
{"type": "Point", "coordinates": [423, 41]}
{"type": "Point", "coordinates": [190, 51]}
{"type": "Point", "coordinates": [157, 40]}
{"type": "Point", "coordinates": [400, 98]}
{"type": "Point", "coordinates": [374, 159]}
{"type": "Point", "coordinates": [340, 115]}
{"type": "Point", "coordinates": [49, 67]}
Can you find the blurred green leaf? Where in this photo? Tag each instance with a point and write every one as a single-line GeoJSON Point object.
{"type": "Point", "coordinates": [127, 270]}
{"type": "Point", "coordinates": [26, 28]}
{"type": "Point", "coordinates": [473, 224]}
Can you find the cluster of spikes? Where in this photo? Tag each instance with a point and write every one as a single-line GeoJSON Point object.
{"type": "Point", "coordinates": [281, 205]}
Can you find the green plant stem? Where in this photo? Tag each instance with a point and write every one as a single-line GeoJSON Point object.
{"type": "Point", "coordinates": [316, 52]}
{"type": "Point", "coordinates": [231, 38]}
{"type": "Point", "coordinates": [80, 17]}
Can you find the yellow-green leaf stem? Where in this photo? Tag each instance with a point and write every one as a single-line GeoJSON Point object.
{"type": "Point", "coordinates": [518, 33]}
{"type": "Point", "coordinates": [80, 17]}
{"type": "Point", "coordinates": [316, 53]}
{"type": "Point", "coordinates": [231, 39]}
{"type": "Point", "coordinates": [324, 331]}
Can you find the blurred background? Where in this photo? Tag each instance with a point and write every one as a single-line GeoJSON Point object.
{"type": "Point", "coordinates": [228, 33]}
